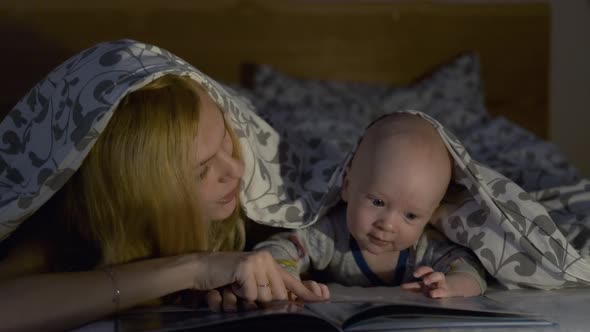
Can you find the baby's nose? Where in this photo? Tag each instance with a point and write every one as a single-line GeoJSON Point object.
{"type": "Point", "coordinates": [385, 225]}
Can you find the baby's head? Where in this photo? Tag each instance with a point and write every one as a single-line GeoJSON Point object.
{"type": "Point", "coordinates": [395, 182]}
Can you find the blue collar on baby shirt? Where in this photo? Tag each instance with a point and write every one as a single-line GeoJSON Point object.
{"type": "Point", "coordinates": [400, 268]}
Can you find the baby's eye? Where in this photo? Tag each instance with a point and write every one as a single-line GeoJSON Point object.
{"type": "Point", "coordinates": [204, 173]}
{"type": "Point", "coordinates": [411, 216]}
{"type": "Point", "coordinates": [377, 202]}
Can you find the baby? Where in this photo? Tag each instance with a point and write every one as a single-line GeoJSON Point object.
{"type": "Point", "coordinates": [380, 234]}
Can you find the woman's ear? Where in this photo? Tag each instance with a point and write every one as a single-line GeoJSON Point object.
{"type": "Point", "coordinates": [344, 191]}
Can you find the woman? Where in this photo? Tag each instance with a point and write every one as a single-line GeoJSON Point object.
{"type": "Point", "coordinates": [128, 176]}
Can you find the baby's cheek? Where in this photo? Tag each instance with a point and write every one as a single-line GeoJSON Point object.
{"type": "Point", "coordinates": [355, 228]}
{"type": "Point", "coordinates": [359, 222]}
{"type": "Point", "coordinates": [410, 236]}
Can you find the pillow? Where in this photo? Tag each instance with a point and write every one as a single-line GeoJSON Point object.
{"type": "Point", "coordinates": [516, 153]}
{"type": "Point", "coordinates": [452, 95]}
{"type": "Point", "coordinates": [337, 112]}
{"type": "Point", "coordinates": [315, 110]}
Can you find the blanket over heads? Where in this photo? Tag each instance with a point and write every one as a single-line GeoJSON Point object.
{"type": "Point", "coordinates": [286, 183]}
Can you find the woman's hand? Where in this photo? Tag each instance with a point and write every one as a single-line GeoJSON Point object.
{"type": "Point", "coordinates": [225, 299]}
{"type": "Point", "coordinates": [252, 276]}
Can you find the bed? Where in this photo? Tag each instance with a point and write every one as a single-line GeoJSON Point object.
{"type": "Point", "coordinates": [301, 43]}
{"type": "Point", "coordinates": [329, 67]}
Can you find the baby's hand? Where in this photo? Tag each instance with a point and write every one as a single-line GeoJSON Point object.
{"type": "Point", "coordinates": [316, 288]}
{"type": "Point", "coordinates": [433, 284]}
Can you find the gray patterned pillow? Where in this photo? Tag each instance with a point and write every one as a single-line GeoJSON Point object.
{"type": "Point", "coordinates": [516, 153]}
{"type": "Point", "coordinates": [337, 112]}
{"type": "Point", "coordinates": [452, 95]}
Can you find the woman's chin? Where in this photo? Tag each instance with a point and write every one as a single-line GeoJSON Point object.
{"type": "Point", "coordinates": [224, 210]}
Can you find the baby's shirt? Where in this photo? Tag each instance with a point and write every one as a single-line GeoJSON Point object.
{"type": "Point", "coordinates": [328, 248]}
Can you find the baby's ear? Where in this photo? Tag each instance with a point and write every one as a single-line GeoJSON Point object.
{"type": "Point", "coordinates": [345, 184]}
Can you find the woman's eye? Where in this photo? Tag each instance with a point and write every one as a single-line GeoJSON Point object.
{"type": "Point", "coordinates": [411, 216]}
{"type": "Point", "coordinates": [204, 173]}
{"type": "Point", "coordinates": [377, 202]}
{"type": "Point", "coordinates": [227, 142]}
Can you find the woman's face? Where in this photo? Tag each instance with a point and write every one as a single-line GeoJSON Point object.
{"type": "Point", "coordinates": [219, 173]}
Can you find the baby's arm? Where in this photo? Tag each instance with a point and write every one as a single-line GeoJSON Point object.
{"type": "Point", "coordinates": [462, 280]}
{"type": "Point", "coordinates": [302, 250]}
{"type": "Point", "coordinates": [287, 249]}
{"type": "Point", "coordinates": [299, 251]}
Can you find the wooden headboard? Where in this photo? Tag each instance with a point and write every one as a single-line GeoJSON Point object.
{"type": "Point", "coordinates": [384, 41]}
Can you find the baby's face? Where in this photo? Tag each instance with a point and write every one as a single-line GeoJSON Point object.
{"type": "Point", "coordinates": [392, 190]}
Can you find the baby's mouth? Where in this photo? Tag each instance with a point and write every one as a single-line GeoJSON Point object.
{"type": "Point", "coordinates": [377, 241]}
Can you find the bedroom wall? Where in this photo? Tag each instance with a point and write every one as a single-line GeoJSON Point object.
{"type": "Point", "coordinates": [569, 77]}
{"type": "Point", "coordinates": [569, 83]}
{"type": "Point", "coordinates": [569, 102]}
{"type": "Point", "coordinates": [570, 80]}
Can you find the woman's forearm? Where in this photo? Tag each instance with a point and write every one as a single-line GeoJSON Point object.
{"type": "Point", "coordinates": [66, 300]}
{"type": "Point", "coordinates": [57, 301]}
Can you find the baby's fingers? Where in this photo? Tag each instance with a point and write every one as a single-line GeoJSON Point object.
{"type": "Point", "coordinates": [298, 289]}
{"type": "Point", "coordinates": [421, 271]}
{"type": "Point", "coordinates": [437, 293]}
{"type": "Point", "coordinates": [313, 286]}
{"type": "Point", "coordinates": [411, 286]}
{"type": "Point", "coordinates": [435, 278]}
{"type": "Point", "coordinates": [325, 291]}
{"type": "Point", "coordinates": [317, 288]}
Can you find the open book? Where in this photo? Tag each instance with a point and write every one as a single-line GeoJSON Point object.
{"type": "Point", "coordinates": [403, 310]}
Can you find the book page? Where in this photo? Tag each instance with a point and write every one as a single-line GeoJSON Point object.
{"type": "Point", "coordinates": [284, 316]}
{"type": "Point", "coordinates": [389, 316]}
{"type": "Point", "coordinates": [445, 323]}
{"type": "Point", "coordinates": [339, 293]}
{"type": "Point", "coordinates": [391, 308]}
{"type": "Point", "coordinates": [351, 309]}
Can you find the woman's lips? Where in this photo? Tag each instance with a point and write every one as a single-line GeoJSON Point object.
{"type": "Point", "coordinates": [228, 198]}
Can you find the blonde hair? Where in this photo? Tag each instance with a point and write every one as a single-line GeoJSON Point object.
{"type": "Point", "coordinates": [134, 196]}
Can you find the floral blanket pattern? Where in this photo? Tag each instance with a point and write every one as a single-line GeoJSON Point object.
{"type": "Point", "coordinates": [513, 232]}
{"type": "Point", "coordinates": [47, 135]}
{"type": "Point", "coordinates": [534, 238]}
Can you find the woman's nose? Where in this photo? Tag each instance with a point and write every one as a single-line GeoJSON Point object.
{"type": "Point", "coordinates": [232, 168]}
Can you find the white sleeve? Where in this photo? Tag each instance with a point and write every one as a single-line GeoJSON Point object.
{"type": "Point", "coordinates": [301, 249]}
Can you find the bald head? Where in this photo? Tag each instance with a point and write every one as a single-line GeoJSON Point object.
{"type": "Point", "coordinates": [403, 139]}
{"type": "Point", "coordinates": [407, 128]}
